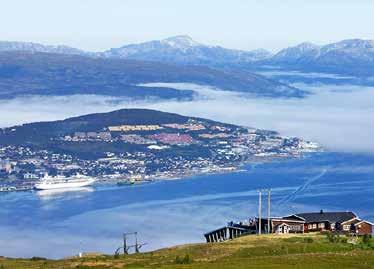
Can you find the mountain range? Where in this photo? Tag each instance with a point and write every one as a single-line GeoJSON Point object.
{"type": "Point", "coordinates": [178, 49]}
{"type": "Point", "coordinates": [35, 69]}
{"type": "Point", "coordinates": [352, 51]}
{"type": "Point", "coordinates": [184, 50]}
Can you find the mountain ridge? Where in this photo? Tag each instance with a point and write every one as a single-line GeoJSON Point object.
{"type": "Point", "coordinates": [201, 53]}
{"type": "Point", "coordinates": [353, 57]}
{"type": "Point", "coordinates": [349, 51]}
{"type": "Point", "coordinates": [184, 50]}
{"type": "Point", "coordinates": [34, 73]}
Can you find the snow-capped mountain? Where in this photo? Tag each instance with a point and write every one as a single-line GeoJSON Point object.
{"type": "Point", "coordinates": [301, 53]}
{"type": "Point", "coordinates": [351, 54]}
{"type": "Point", "coordinates": [184, 50]}
{"type": "Point", "coordinates": [36, 47]}
{"type": "Point", "coordinates": [180, 42]}
{"type": "Point", "coordinates": [346, 52]}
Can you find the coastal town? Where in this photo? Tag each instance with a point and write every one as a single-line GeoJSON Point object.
{"type": "Point", "coordinates": [146, 152]}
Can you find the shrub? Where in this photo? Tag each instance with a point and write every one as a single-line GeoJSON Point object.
{"type": "Point", "coordinates": [38, 259]}
{"type": "Point", "coordinates": [185, 260]}
{"type": "Point", "coordinates": [344, 240]}
{"type": "Point", "coordinates": [330, 237]}
{"type": "Point", "coordinates": [334, 238]}
{"type": "Point", "coordinates": [90, 267]}
{"type": "Point", "coordinates": [366, 239]}
{"type": "Point", "coordinates": [308, 240]}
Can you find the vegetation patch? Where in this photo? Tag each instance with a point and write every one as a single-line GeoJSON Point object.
{"type": "Point", "coordinates": [267, 251]}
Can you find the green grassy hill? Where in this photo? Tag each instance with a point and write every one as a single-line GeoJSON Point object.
{"type": "Point", "coordinates": [292, 251]}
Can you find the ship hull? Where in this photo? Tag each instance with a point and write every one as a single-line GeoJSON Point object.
{"type": "Point", "coordinates": [64, 185]}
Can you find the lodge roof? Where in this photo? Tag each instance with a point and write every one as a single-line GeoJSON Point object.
{"type": "Point", "coordinates": [321, 216]}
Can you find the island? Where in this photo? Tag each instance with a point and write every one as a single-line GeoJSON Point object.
{"type": "Point", "coordinates": [134, 145]}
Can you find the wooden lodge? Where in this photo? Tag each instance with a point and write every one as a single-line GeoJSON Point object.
{"type": "Point", "coordinates": [340, 222]}
{"type": "Point", "coordinates": [344, 222]}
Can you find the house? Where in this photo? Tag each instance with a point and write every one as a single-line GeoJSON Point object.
{"type": "Point", "coordinates": [287, 225]}
{"type": "Point", "coordinates": [341, 222]}
{"type": "Point", "coordinates": [345, 222]}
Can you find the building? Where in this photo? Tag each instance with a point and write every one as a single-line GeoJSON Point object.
{"type": "Point", "coordinates": [130, 128]}
{"type": "Point", "coordinates": [286, 225]}
{"type": "Point", "coordinates": [343, 222]}
{"type": "Point", "coordinates": [5, 166]}
{"type": "Point", "coordinates": [230, 231]}
{"type": "Point", "coordinates": [340, 222]}
{"type": "Point", "coordinates": [346, 222]}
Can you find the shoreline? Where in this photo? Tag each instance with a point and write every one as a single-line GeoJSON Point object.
{"type": "Point", "coordinates": [124, 181]}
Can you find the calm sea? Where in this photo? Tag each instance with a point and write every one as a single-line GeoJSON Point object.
{"type": "Point", "coordinates": [55, 224]}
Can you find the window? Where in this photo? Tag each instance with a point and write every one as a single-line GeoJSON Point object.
{"type": "Point", "coordinates": [314, 226]}
{"type": "Point", "coordinates": [332, 226]}
{"type": "Point", "coordinates": [310, 226]}
{"type": "Point", "coordinates": [295, 228]}
{"type": "Point", "coordinates": [346, 227]}
{"type": "Point", "coordinates": [321, 225]}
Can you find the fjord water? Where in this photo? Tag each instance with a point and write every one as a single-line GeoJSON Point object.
{"type": "Point", "coordinates": [166, 213]}
{"type": "Point", "coordinates": [176, 212]}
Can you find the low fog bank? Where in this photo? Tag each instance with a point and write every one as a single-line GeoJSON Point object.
{"type": "Point", "coordinates": [338, 117]}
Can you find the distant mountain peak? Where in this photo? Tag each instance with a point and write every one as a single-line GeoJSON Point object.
{"type": "Point", "coordinates": [307, 46]}
{"type": "Point", "coordinates": [352, 44]}
{"type": "Point", "coordinates": [343, 53]}
{"type": "Point", "coordinates": [180, 41]}
{"type": "Point", "coordinates": [182, 49]}
{"type": "Point", "coordinates": [303, 51]}
{"type": "Point", "coordinates": [36, 47]}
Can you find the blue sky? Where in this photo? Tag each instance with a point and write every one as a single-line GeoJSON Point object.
{"type": "Point", "coordinates": [242, 24]}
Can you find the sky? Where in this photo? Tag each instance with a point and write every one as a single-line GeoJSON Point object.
{"type": "Point", "coordinates": [242, 24]}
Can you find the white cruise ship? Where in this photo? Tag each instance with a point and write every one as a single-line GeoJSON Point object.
{"type": "Point", "coordinates": [61, 182]}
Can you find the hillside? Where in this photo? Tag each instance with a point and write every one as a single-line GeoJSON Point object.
{"type": "Point", "coordinates": [307, 251]}
{"type": "Point", "coordinates": [35, 73]}
{"type": "Point", "coordinates": [127, 142]}
{"type": "Point", "coordinates": [44, 134]}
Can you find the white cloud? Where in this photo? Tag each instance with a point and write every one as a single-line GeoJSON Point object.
{"type": "Point", "coordinates": [338, 117]}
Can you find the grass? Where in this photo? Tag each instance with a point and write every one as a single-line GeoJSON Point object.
{"type": "Point", "coordinates": [267, 251]}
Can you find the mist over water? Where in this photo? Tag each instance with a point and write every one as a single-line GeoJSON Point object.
{"type": "Point", "coordinates": [339, 117]}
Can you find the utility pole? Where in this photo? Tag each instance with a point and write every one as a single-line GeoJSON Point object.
{"type": "Point", "coordinates": [259, 211]}
{"type": "Point", "coordinates": [269, 206]}
{"type": "Point", "coordinates": [125, 244]}
{"type": "Point", "coordinates": [136, 243]}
